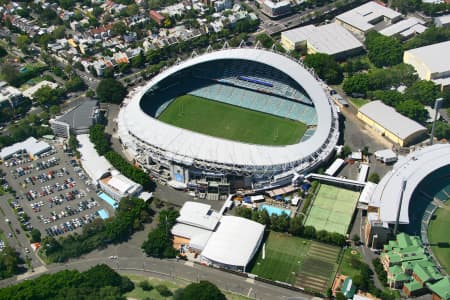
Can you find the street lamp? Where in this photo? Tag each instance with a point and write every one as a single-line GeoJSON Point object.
{"type": "Point", "coordinates": [375, 236]}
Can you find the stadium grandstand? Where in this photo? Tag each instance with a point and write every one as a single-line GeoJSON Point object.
{"type": "Point", "coordinates": [260, 81]}
{"type": "Point", "coordinates": [409, 193]}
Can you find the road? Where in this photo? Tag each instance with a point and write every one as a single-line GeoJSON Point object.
{"type": "Point", "coordinates": [131, 260]}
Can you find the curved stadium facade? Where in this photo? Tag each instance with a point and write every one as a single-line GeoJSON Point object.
{"type": "Point", "coordinates": [253, 79]}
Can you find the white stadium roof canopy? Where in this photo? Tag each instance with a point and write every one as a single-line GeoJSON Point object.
{"type": "Point", "coordinates": [413, 169]}
{"type": "Point", "coordinates": [186, 145]}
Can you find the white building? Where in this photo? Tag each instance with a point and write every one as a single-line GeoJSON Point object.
{"type": "Point", "coordinates": [442, 21]}
{"type": "Point", "coordinates": [431, 62]}
{"type": "Point", "coordinates": [276, 8]}
{"type": "Point", "coordinates": [234, 243]}
{"type": "Point", "coordinates": [405, 28]}
{"type": "Point", "coordinates": [31, 146]}
{"type": "Point", "coordinates": [119, 186]}
{"type": "Point", "coordinates": [9, 95]}
{"type": "Point", "coordinates": [364, 18]}
{"type": "Point", "coordinates": [331, 39]}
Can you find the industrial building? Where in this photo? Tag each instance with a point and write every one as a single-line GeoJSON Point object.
{"type": "Point", "coordinates": [331, 39]}
{"type": "Point", "coordinates": [442, 21]}
{"type": "Point", "coordinates": [9, 95]}
{"type": "Point", "coordinates": [367, 17]}
{"type": "Point", "coordinates": [77, 120]}
{"type": "Point", "coordinates": [405, 28]}
{"type": "Point", "coordinates": [223, 241]}
{"type": "Point", "coordinates": [31, 146]}
{"type": "Point", "coordinates": [430, 63]}
{"type": "Point", "coordinates": [389, 123]}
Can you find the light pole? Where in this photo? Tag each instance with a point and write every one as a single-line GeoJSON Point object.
{"type": "Point", "coordinates": [375, 236]}
{"type": "Point", "coordinates": [437, 105]}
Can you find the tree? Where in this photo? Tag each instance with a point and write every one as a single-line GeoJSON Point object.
{"type": "Point", "coordinates": [145, 285]}
{"type": "Point", "coordinates": [265, 40]}
{"type": "Point", "coordinates": [3, 52]}
{"type": "Point", "coordinates": [163, 290]}
{"type": "Point", "coordinates": [35, 235]}
{"type": "Point", "coordinates": [111, 90]}
{"type": "Point", "coordinates": [357, 84]}
{"type": "Point", "coordinates": [23, 43]}
{"type": "Point", "coordinates": [203, 290]}
{"type": "Point", "coordinates": [10, 74]}
{"type": "Point", "coordinates": [296, 226]}
{"type": "Point", "coordinates": [346, 151]}
{"type": "Point", "coordinates": [355, 238]}
{"type": "Point", "coordinates": [119, 28]}
{"type": "Point", "coordinates": [46, 96]}
{"type": "Point", "coordinates": [413, 109]}
{"type": "Point", "coordinates": [326, 67]}
{"type": "Point", "coordinates": [309, 232]}
{"type": "Point", "coordinates": [383, 50]}
{"type": "Point", "coordinates": [340, 296]}
{"type": "Point", "coordinates": [423, 91]}
{"type": "Point", "coordinates": [388, 97]}
{"type": "Point", "coordinates": [442, 130]}
{"type": "Point", "coordinates": [374, 177]}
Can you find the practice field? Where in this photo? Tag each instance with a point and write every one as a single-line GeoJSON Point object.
{"type": "Point", "coordinates": [438, 236]}
{"type": "Point", "coordinates": [332, 209]}
{"type": "Point", "coordinates": [231, 122]}
{"type": "Point", "coordinates": [297, 261]}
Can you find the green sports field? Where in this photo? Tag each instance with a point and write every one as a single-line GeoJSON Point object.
{"type": "Point", "coordinates": [231, 122]}
{"type": "Point", "coordinates": [439, 237]}
{"type": "Point", "coordinates": [332, 209]}
{"type": "Point", "coordinates": [297, 261]}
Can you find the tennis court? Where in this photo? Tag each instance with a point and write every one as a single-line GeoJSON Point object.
{"type": "Point", "coordinates": [332, 209]}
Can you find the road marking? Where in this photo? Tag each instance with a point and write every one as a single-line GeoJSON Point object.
{"type": "Point", "coordinates": [250, 280]}
{"type": "Point", "coordinates": [249, 292]}
{"type": "Point", "coordinates": [189, 264]}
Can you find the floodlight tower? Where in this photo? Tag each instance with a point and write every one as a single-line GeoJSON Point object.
{"type": "Point", "coordinates": [437, 105]}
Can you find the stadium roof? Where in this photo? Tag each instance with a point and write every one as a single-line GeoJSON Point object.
{"type": "Point", "coordinates": [431, 56]}
{"type": "Point", "coordinates": [362, 16]}
{"type": "Point", "coordinates": [412, 169]}
{"type": "Point", "coordinates": [183, 145]}
{"type": "Point", "coordinates": [199, 215]}
{"type": "Point", "coordinates": [441, 288]}
{"type": "Point", "coordinates": [81, 116]}
{"type": "Point", "coordinates": [234, 242]}
{"type": "Point", "coordinates": [390, 119]}
{"type": "Point", "coordinates": [95, 165]}
{"type": "Point", "coordinates": [330, 39]}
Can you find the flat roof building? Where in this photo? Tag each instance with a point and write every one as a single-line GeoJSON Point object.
{"type": "Point", "coordinates": [96, 166]}
{"type": "Point", "coordinates": [430, 62]}
{"type": "Point", "coordinates": [275, 9]}
{"type": "Point", "coordinates": [9, 95]}
{"type": "Point", "coordinates": [365, 18]}
{"type": "Point", "coordinates": [119, 186]}
{"type": "Point", "coordinates": [442, 21]}
{"type": "Point", "coordinates": [31, 146]}
{"type": "Point", "coordinates": [199, 215]}
{"type": "Point", "coordinates": [391, 124]}
{"type": "Point", "coordinates": [234, 243]}
{"type": "Point", "coordinates": [405, 28]}
{"type": "Point", "coordinates": [331, 39]}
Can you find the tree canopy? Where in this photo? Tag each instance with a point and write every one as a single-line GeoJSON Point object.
{"type": "Point", "coordinates": [413, 109]}
{"type": "Point", "coordinates": [423, 91]}
{"type": "Point", "coordinates": [111, 90]}
{"type": "Point", "coordinates": [383, 50]}
{"type": "Point", "coordinates": [99, 282]}
{"type": "Point", "coordinates": [203, 290]}
{"type": "Point", "coordinates": [326, 67]}
{"type": "Point", "coordinates": [159, 240]}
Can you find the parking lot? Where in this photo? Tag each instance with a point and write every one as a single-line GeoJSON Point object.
{"type": "Point", "coordinates": [53, 193]}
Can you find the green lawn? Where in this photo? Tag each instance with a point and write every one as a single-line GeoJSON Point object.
{"type": "Point", "coordinates": [140, 294]}
{"type": "Point", "coordinates": [346, 267]}
{"type": "Point", "coordinates": [284, 255]}
{"type": "Point", "coordinates": [358, 102]}
{"type": "Point", "coordinates": [231, 122]}
{"type": "Point", "coordinates": [439, 237]}
{"type": "Point", "coordinates": [303, 263]}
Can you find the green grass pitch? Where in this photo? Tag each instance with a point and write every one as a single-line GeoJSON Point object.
{"type": "Point", "coordinates": [231, 122]}
{"type": "Point", "coordinates": [439, 237]}
{"type": "Point", "coordinates": [297, 261]}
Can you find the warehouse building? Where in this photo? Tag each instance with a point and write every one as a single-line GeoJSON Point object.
{"type": "Point", "coordinates": [331, 39]}
{"type": "Point", "coordinates": [442, 21]}
{"type": "Point", "coordinates": [405, 29]}
{"type": "Point", "coordinates": [430, 62]}
{"type": "Point", "coordinates": [367, 17]}
{"type": "Point", "coordinates": [31, 146]}
{"type": "Point", "coordinates": [390, 124]}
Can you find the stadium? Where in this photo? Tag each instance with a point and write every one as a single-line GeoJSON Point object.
{"type": "Point", "coordinates": [230, 119]}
